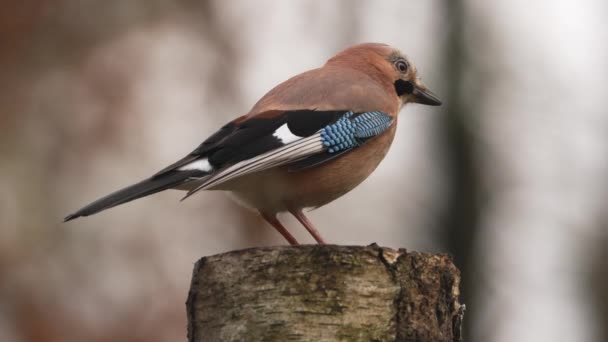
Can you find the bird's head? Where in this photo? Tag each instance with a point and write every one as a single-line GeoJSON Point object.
{"type": "Point", "coordinates": [390, 67]}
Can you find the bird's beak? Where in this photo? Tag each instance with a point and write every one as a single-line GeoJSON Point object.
{"type": "Point", "coordinates": [424, 96]}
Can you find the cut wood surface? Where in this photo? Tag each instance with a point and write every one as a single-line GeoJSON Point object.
{"type": "Point", "coordinates": [324, 293]}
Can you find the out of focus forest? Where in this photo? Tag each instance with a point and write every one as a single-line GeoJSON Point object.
{"type": "Point", "coordinates": [509, 175]}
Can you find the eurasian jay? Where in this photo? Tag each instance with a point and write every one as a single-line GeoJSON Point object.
{"type": "Point", "coordinates": [308, 141]}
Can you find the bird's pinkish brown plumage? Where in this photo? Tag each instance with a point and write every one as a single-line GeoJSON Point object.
{"type": "Point", "coordinates": [367, 78]}
{"type": "Point", "coordinates": [357, 79]}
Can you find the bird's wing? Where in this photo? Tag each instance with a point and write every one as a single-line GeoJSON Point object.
{"type": "Point", "coordinates": [247, 137]}
{"type": "Point", "coordinates": [299, 138]}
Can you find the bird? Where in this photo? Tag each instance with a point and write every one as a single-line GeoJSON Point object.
{"type": "Point", "coordinates": [305, 143]}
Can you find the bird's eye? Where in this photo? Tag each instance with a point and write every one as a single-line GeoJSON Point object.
{"type": "Point", "coordinates": [401, 66]}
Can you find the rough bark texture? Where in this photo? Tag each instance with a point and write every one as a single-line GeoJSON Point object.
{"type": "Point", "coordinates": [324, 293]}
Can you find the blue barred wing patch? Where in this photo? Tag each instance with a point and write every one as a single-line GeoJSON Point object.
{"type": "Point", "coordinates": [352, 130]}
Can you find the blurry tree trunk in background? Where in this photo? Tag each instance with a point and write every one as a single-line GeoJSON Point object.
{"type": "Point", "coordinates": [598, 281]}
{"type": "Point", "coordinates": [459, 223]}
{"type": "Point", "coordinates": [329, 293]}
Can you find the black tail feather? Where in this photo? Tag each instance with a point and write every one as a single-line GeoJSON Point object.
{"type": "Point", "coordinates": [135, 191]}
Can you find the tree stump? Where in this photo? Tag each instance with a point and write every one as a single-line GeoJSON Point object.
{"type": "Point", "coordinates": [324, 293]}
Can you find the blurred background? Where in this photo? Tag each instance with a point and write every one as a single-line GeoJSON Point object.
{"type": "Point", "coordinates": [508, 176]}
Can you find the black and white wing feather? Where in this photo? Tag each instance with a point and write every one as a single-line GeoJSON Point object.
{"type": "Point", "coordinates": [301, 139]}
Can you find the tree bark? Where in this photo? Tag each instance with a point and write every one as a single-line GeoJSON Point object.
{"type": "Point", "coordinates": [324, 293]}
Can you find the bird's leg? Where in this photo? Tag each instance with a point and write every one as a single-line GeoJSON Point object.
{"type": "Point", "coordinates": [307, 224]}
{"type": "Point", "coordinates": [272, 219]}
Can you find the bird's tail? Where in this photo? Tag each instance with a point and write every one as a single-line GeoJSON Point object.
{"type": "Point", "coordinates": [144, 188]}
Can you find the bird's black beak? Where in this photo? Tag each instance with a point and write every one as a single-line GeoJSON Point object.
{"type": "Point", "coordinates": [425, 96]}
{"type": "Point", "coordinates": [416, 93]}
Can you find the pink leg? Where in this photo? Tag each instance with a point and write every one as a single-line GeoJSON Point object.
{"type": "Point", "coordinates": [306, 223]}
{"type": "Point", "coordinates": [272, 219]}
